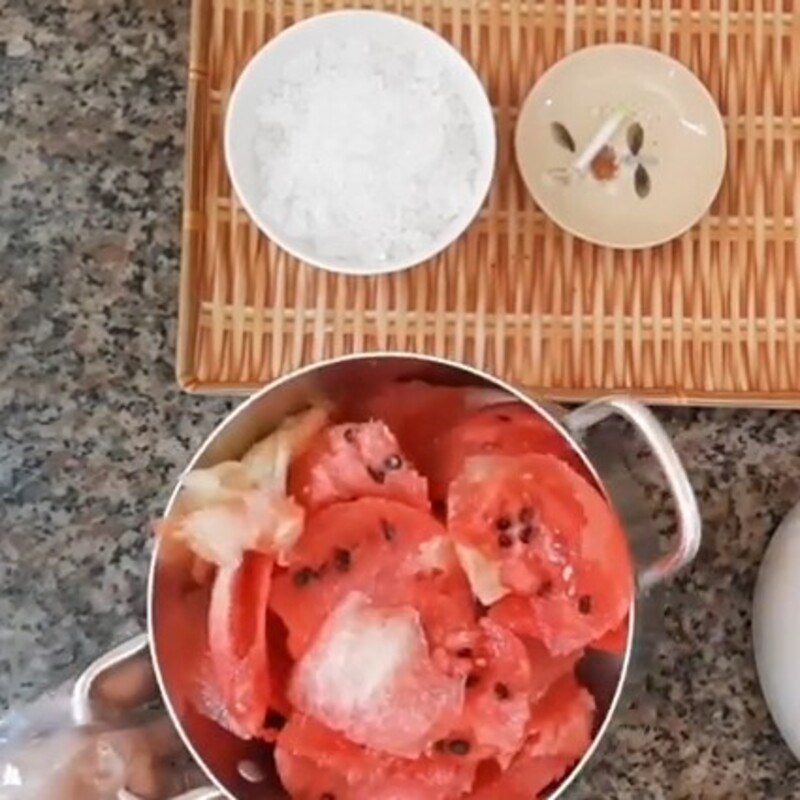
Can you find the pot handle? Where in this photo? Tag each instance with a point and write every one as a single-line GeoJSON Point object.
{"type": "Point", "coordinates": [84, 713]}
{"type": "Point", "coordinates": [689, 526]}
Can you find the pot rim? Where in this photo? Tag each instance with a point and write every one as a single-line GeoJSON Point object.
{"type": "Point", "coordinates": [244, 406]}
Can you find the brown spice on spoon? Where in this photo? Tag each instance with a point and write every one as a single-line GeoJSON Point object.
{"type": "Point", "coordinates": [604, 164]}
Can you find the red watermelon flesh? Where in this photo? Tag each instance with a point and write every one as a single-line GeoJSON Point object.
{"type": "Point", "coordinates": [281, 664]}
{"type": "Point", "coordinates": [314, 760]}
{"type": "Point", "coordinates": [526, 778]}
{"type": "Point", "coordinates": [237, 681]}
{"type": "Point", "coordinates": [546, 668]}
{"type": "Point", "coordinates": [354, 546]}
{"type": "Point", "coordinates": [561, 722]}
{"type": "Point", "coordinates": [615, 641]}
{"type": "Point", "coordinates": [431, 581]}
{"type": "Point", "coordinates": [561, 555]}
{"type": "Point", "coordinates": [559, 733]}
{"type": "Point", "coordinates": [505, 677]}
{"type": "Point", "coordinates": [420, 414]}
{"type": "Point", "coordinates": [496, 704]}
{"type": "Point", "coordinates": [508, 429]}
{"type": "Point", "coordinates": [346, 462]}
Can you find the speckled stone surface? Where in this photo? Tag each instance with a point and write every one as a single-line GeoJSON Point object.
{"type": "Point", "coordinates": [94, 429]}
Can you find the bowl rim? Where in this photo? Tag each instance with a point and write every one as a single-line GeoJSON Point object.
{"type": "Point", "coordinates": [485, 177]}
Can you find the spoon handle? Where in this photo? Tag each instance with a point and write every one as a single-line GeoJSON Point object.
{"type": "Point", "coordinates": [598, 141]}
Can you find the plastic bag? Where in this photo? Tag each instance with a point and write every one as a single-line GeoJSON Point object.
{"type": "Point", "coordinates": [102, 737]}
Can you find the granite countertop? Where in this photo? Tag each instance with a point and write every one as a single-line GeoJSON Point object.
{"type": "Point", "coordinates": [95, 430]}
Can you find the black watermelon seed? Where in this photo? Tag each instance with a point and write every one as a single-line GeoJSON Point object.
{"type": "Point", "coordinates": [389, 531]}
{"type": "Point", "coordinates": [458, 747]}
{"type": "Point", "coordinates": [585, 604]}
{"type": "Point", "coordinates": [393, 462]}
{"type": "Point", "coordinates": [503, 417]}
{"type": "Point", "coordinates": [465, 652]}
{"type": "Point", "coordinates": [502, 523]}
{"type": "Point", "coordinates": [440, 746]}
{"type": "Point", "coordinates": [274, 720]}
{"type": "Point", "coordinates": [501, 691]}
{"type": "Point", "coordinates": [342, 559]}
{"type": "Point", "coordinates": [635, 138]}
{"type": "Point", "coordinates": [562, 136]}
{"type": "Point", "coordinates": [304, 576]}
{"type": "Point", "coordinates": [526, 534]}
{"type": "Point", "coordinates": [472, 680]}
{"type": "Point", "coordinates": [545, 589]}
{"type": "Point", "coordinates": [641, 181]}
{"type": "Point", "coordinates": [378, 475]}
{"type": "Point", "coordinates": [505, 540]}
{"type": "Point", "coordinates": [526, 515]}
{"type": "Point", "coordinates": [350, 435]}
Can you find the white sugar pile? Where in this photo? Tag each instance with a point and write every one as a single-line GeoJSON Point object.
{"type": "Point", "coordinates": [366, 151]}
{"type": "Point", "coordinates": [368, 674]}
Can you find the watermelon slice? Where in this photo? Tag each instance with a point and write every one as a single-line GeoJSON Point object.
{"type": "Point", "coordinates": [315, 762]}
{"type": "Point", "coordinates": [497, 702]}
{"type": "Point", "coordinates": [555, 548]}
{"type": "Point", "coordinates": [236, 691]}
{"type": "Point", "coordinates": [561, 722]}
{"type": "Point", "coordinates": [528, 777]}
{"type": "Point", "coordinates": [351, 461]}
{"type": "Point", "coordinates": [420, 414]}
{"type": "Point", "coordinates": [354, 546]}
{"type": "Point", "coordinates": [281, 665]}
{"type": "Point", "coordinates": [508, 429]}
{"type": "Point", "coordinates": [615, 641]}
{"type": "Point", "coordinates": [559, 733]}
{"type": "Point", "coordinates": [546, 668]}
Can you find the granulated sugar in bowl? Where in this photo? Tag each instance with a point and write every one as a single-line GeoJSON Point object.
{"type": "Point", "coordinates": [360, 142]}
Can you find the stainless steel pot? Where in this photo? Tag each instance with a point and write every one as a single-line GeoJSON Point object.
{"type": "Point", "coordinates": [227, 768]}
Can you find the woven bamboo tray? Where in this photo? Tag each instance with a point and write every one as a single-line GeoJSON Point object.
{"type": "Point", "coordinates": [711, 318]}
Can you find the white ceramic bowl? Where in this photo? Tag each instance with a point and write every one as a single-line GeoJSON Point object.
{"type": "Point", "coordinates": [241, 124]}
{"type": "Point", "coordinates": [775, 635]}
{"type": "Point", "coordinates": [680, 155]}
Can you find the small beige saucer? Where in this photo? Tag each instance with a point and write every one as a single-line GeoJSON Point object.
{"type": "Point", "coordinates": [663, 165]}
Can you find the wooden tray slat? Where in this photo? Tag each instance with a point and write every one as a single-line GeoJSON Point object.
{"type": "Point", "coordinates": [711, 318]}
